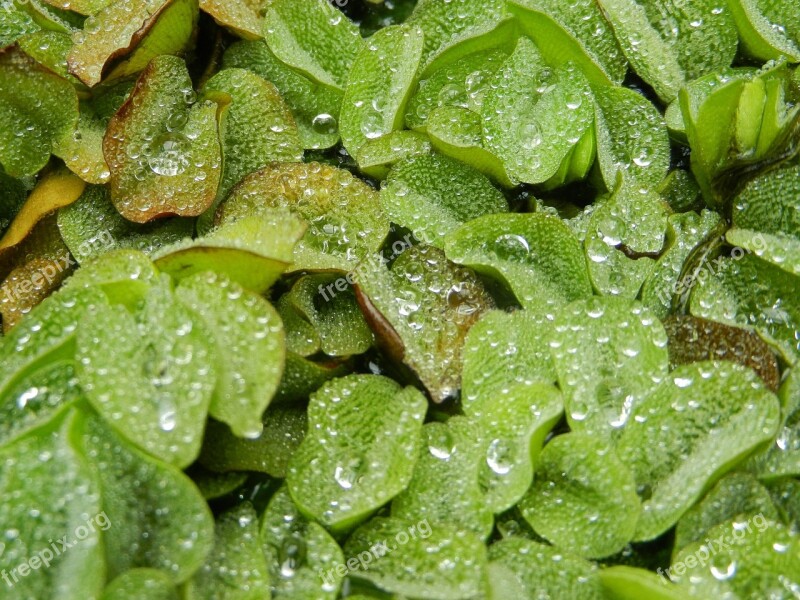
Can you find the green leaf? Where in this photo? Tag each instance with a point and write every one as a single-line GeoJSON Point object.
{"type": "Point", "coordinates": [379, 86]}
{"type": "Point", "coordinates": [141, 584]}
{"type": "Point", "coordinates": [548, 123]}
{"type": "Point", "coordinates": [415, 568]}
{"type": "Point", "coordinates": [257, 127]}
{"type": "Point", "coordinates": [377, 156]}
{"type": "Point", "coordinates": [302, 377]}
{"type": "Point", "coordinates": [15, 22]}
{"type": "Point", "coordinates": [650, 55]}
{"type": "Point", "coordinates": [780, 250]}
{"type": "Point", "coordinates": [125, 276]}
{"type": "Point", "coordinates": [284, 430]}
{"type": "Point", "coordinates": [444, 488]}
{"type": "Point", "coordinates": [433, 195]}
{"type": "Point", "coordinates": [766, 29]}
{"type": "Point", "coordinates": [458, 133]}
{"type": "Point", "coordinates": [137, 30]}
{"type": "Point", "coordinates": [215, 485]}
{"type": "Point", "coordinates": [538, 569]}
{"type": "Point", "coordinates": [314, 38]}
{"type": "Point", "coordinates": [694, 340]}
{"type": "Point", "coordinates": [249, 340]}
{"type": "Point", "coordinates": [151, 375]}
{"type": "Point", "coordinates": [736, 496]}
{"type": "Point", "coordinates": [236, 569]}
{"type": "Point", "coordinates": [163, 151]}
{"type": "Point", "coordinates": [49, 491]}
{"type": "Point", "coordinates": [583, 498]}
{"type": "Point", "coordinates": [631, 137]}
{"type": "Point", "coordinates": [345, 222]}
{"type": "Point", "coordinates": [460, 84]}
{"type": "Point", "coordinates": [339, 483]}
{"type": "Point", "coordinates": [697, 425]}
{"type": "Point", "coordinates": [38, 399]}
{"type": "Point", "coordinates": [506, 389]}
{"type": "Point", "coordinates": [253, 251]}
{"type": "Point", "coordinates": [448, 24]}
{"type": "Point", "coordinates": [158, 517]}
{"type": "Point", "coordinates": [91, 226]}
{"type": "Point", "coordinates": [511, 248]}
{"type": "Point", "coordinates": [315, 107]}
{"type": "Point", "coordinates": [243, 18]}
{"type": "Point", "coordinates": [332, 313]}
{"type": "Point", "coordinates": [45, 336]}
{"type": "Point", "coordinates": [629, 583]}
{"type": "Point", "coordinates": [302, 556]}
{"type": "Point", "coordinates": [770, 203]}
{"type": "Point", "coordinates": [422, 309]}
{"type": "Point", "coordinates": [760, 558]}
{"type": "Point", "coordinates": [37, 107]}
{"type": "Point", "coordinates": [609, 354]}
{"type": "Point", "coordinates": [574, 32]}
{"type": "Point", "coordinates": [685, 233]}
{"type": "Point", "coordinates": [750, 292]}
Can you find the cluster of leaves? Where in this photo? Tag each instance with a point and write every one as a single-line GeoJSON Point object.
{"type": "Point", "coordinates": [507, 286]}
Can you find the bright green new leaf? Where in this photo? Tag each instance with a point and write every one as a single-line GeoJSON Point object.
{"type": "Point", "coordinates": [151, 375]}
{"type": "Point", "coordinates": [141, 584]}
{"type": "Point", "coordinates": [125, 276]}
{"type": "Point", "coordinates": [340, 483]}
{"type": "Point", "coordinates": [377, 156]}
{"type": "Point", "coordinates": [630, 583]}
{"type": "Point", "coordinates": [768, 30]}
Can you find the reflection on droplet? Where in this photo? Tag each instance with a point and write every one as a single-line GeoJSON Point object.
{"type": "Point", "coordinates": [169, 156]}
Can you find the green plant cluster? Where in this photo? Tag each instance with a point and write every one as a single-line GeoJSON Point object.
{"type": "Point", "coordinates": [436, 300]}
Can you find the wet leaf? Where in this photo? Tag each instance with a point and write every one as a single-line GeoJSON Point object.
{"type": "Point", "coordinates": [735, 496]}
{"type": "Point", "coordinates": [302, 556]}
{"type": "Point", "coordinates": [253, 251]}
{"type": "Point", "coordinates": [236, 569]}
{"type": "Point", "coordinates": [15, 22]}
{"type": "Point", "coordinates": [242, 17]}
{"type": "Point", "coordinates": [151, 375]}
{"type": "Point", "coordinates": [302, 377]}
{"type": "Point", "coordinates": [538, 569]}
{"type": "Point", "coordinates": [49, 491]}
{"type": "Point", "coordinates": [158, 517]}
{"type": "Point", "coordinates": [37, 107]}
{"type": "Point", "coordinates": [163, 151]}
{"type": "Point", "coordinates": [629, 583]}
{"type": "Point", "coordinates": [697, 425]}
{"type": "Point", "coordinates": [315, 107]}
{"type": "Point", "coordinates": [583, 498]}
{"type": "Point", "coordinates": [574, 32]}
{"type": "Point", "coordinates": [444, 488]}
{"type": "Point", "coordinates": [685, 233]}
{"type": "Point", "coordinates": [314, 38]}
{"type": "Point", "coordinates": [458, 133]}
{"type": "Point", "coordinates": [123, 37]}
{"type": "Point", "coordinates": [249, 342]}
{"type": "Point", "coordinates": [609, 354]}
{"type": "Point", "coordinates": [257, 127]}
{"type": "Point", "coordinates": [765, 28]}
{"type": "Point", "coordinates": [760, 558]}
{"type": "Point", "coordinates": [433, 195]}
{"type": "Point", "coordinates": [695, 340]}
{"type": "Point", "coordinates": [376, 157]}
{"type": "Point", "coordinates": [751, 293]}
{"type": "Point", "coordinates": [26, 286]}
{"type": "Point", "coordinates": [534, 255]}
{"type": "Point", "coordinates": [215, 485]}
{"type": "Point", "coordinates": [339, 483]}
{"type": "Point", "coordinates": [379, 86]}
{"type": "Point", "coordinates": [422, 309]}
{"type": "Point", "coordinates": [414, 568]}
{"type": "Point", "coordinates": [141, 584]}
{"type": "Point", "coordinates": [631, 137]}
{"type": "Point", "coordinates": [284, 430]}
{"type": "Point", "coordinates": [345, 222]}
{"type": "Point", "coordinates": [125, 276]}
{"type": "Point", "coordinates": [332, 313]}
{"type": "Point", "coordinates": [770, 203]}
